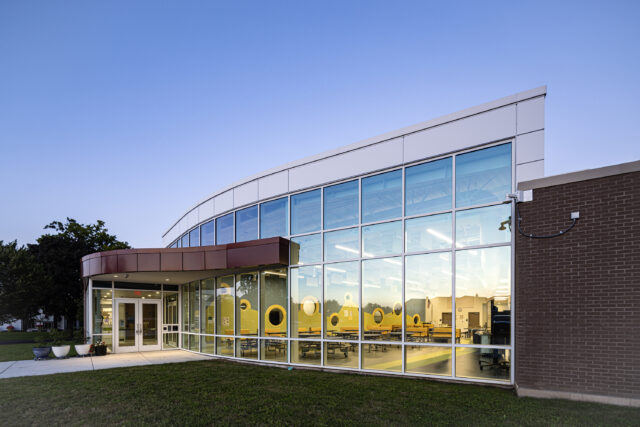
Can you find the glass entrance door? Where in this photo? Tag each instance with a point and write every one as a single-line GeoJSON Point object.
{"type": "Point", "coordinates": [137, 325]}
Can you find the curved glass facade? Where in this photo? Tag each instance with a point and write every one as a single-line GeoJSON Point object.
{"type": "Point", "coordinates": [407, 270]}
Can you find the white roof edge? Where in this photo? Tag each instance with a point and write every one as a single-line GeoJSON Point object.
{"type": "Point", "coordinates": [492, 105]}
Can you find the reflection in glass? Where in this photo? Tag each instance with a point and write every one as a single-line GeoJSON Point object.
{"type": "Point", "coordinates": [170, 308]}
{"type": "Point", "coordinates": [382, 196]}
{"type": "Point", "coordinates": [185, 308]}
{"type": "Point", "coordinates": [341, 305]}
{"type": "Point", "coordinates": [382, 239]}
{"type": "Point", "coordinates": [306, 249]}
{"type": "Point", "coordinates": [305, 212]}
{"type": "Point", "coordinates": [194, 342]}
{"type": "Point", "coordinates": [428, 360]}
{"type": "Point", "coordinates": [306, 297]}
{"type": "Point", "coordinates": [483, 226]}
{"type": "Point", "coordinates": [382, 299]}
{"type": "Point", "coordinates": [341, 354]}
{"type": "Point", "coordinates": [207, 344]}
{"type": "Point", "coordinates": [170, 340]}
{"type": "Point", "coordinates": [224, 229]}
{"type": "Point", "coordinates": [247, 348]}
{"type": "Point", "coordinates": [194, 237]}
{"type": "Point", "coordinates": [194, 307]}
{"type": "Point", "coordinates": [273, 350]}
{"type": "Point", "coordinates": [483, 295]}
{"type": "Point", "coordinates": [487, 363]}
{"type": "Point", "coordinates": [306, 352]}
{"type": "Point", "coordinates": [428, 233]}
{"type": "Point", "coordinates": [224, 346]}
{"type": "Point", "coordinates": [342, 244]}
{"type": "Point", "coordinates": [102, 311]}
{"type": "Point", "coordinates": [428, 187]}
{"type": "Point", "coordinates": [428, 297]}
{"type": "Point", "coordinates": [107, 339]}
{"type": "Point", "coordinates": [150, 327]}
{"type": "Point", "coordinates": [274, 302]}
{"type": "Point", "coordinates": [247, 304]}
{"type": "Point", "coordinates": [341, 205]}
{"type": "Point", "coordinates": [273, 218]}
{"type": "Point", "coordinates": [483, 176]}
{"type": "Point", "coordinates": [224, 303]}
{"type": "Point", "coordinates": [382, 357]}
{"type": "Point", "coordinates": [247, 224]}
{"type": "Point", "coordinates": [184, 242]}
{"type": "Point", "coordinates": [207, 313]}
{"type": "Point", "coordinates": [207, 234]}
{"type": "Point", "coordinates": [127, 324]}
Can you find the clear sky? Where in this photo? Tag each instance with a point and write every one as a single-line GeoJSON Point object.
{"type": "Point", "coordinates": [132, 111]}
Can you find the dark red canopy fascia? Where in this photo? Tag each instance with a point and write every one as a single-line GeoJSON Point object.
{"type": "Point", "coordinates": [271, 251]}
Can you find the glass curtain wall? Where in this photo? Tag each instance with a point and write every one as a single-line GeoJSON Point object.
{"type": "Point", "coordinates": [401, 271]}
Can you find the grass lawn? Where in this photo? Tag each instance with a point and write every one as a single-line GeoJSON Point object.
{"type": "Point", "coordinates": [223, 392]}
{"type": "Point", "coordinates": [18, 336]}
{"type": "Point", "coordinates": [9, 352]}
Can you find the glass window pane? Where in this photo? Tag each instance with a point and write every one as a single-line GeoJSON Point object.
{"type": "Point", "coordinates": [382, 299]}
{"type": "Point", "coordinates": [224, 346]}
{"type": "Point", "coordinates": [382, 239]}
{"type": "Point", "coordinates": [483, 295]}
{"type": "Point", "coordinates": [194, 307]}
{"type": "Point", "coordinates": [428, 187]}
{"type": "Point", "coordinates": [382, 357]}
{"type": "Point", "coordinates": [247, 304]}
{"type": "Point", "coordinates": [341, 300]}
{"type": "Point", "coordinates": [102, 311]}
{"type": "Point", "coordinates": [483, 226]}
{"type": "Point", "coordinates": [247, 348]}
{"type": "Point", "coordinates": [306, 249]}
{"type": "Point", "coordinates": [185, 309]}
{"type": "Point", "coordinates": [206, 344]}
{"type": "Point", "coordinates": [247, 224]}
{"type": "Point", "coordinates": [306, 298]}
{"type": "Point", "coordinates": [428, 360]}
{"type": "Point", "coordinates": [274, 302]}
{"type": "Point", "coordinates": [306, 352]}
{"type": "Point", "coordinates": [208, 306]}
{"type": "Point", "coordinates": [170, 308]}
{"type": "Point", "coordinates": [483, 176]}
{"type": "Point", "coordinates": [194, 342]}
{"type": "Point", "coordinates": [428, 297]}
{"type": "Point", "coordinates": [224, 229]}
{"type": "Point", "coordinates": [208, 231]}
{"type": "Point", "coordinates": [428, 233]}
{"type": "Point", "coordinates": [273, 350]}
{"type": "Point", "coordinates": [488, 363]}
{"type": "Point", "coordinates": [305, 212]}
{"type": "Point", "coordinates": [194, 237]}
{"type": "Point", "coordinates": [342, 244]}
{"type": "Point", "coordinates": [225, 291]}
{"type": "Point", "coordinates": [382, 196]}
{"type": "Point", "coordinates": [342, 354]}
{"type": "Point", "coordinates": [341, 205]}
{"type": "Point", "coordinates": [184, 242]}
{"type": "Point", "coordinates": [273, 218]}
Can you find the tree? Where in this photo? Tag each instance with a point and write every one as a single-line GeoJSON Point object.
{"type": "Point", "coordinates": [20, 283]}
{"type": "Point", "coordinates": [59, 256]}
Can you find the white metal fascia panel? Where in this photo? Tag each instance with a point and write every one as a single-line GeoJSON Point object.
{"type": "Point", "coordinates": [245, 194]}
{"type": "Point", "coordinates": [192, 218]}
{"type": "Point", "coordinates": [531, 115]}
{"type": "Point", "coordinates": [529, 171]}
{"type": "Point", "coordinates": [482, 128]}
{"type": "Point", "coordinates": [345, 165]}
{"type": "Point", "coordinates": [205, 210]}
{"type": "Point", "coordinates": [530, 147]}
{"type": "Point", "coordinates": [273, 185]}
{"type": "Point", "coordinates": [223, 202]}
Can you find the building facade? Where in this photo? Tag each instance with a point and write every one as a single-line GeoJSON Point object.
{"type": "Point", "coordinates": [395, 255]}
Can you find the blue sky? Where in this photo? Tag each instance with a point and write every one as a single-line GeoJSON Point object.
{"type": "Point", "coordinates": [132, 111]}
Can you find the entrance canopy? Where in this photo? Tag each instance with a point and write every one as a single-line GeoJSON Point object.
{"type": "Point", "coordinates": [181, 265]}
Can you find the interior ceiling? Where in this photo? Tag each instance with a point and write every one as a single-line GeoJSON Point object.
{"type": "Point", "coordinates": [171, 277]}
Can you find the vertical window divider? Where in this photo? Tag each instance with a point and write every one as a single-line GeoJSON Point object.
{"type": "Point", "coordinates": [360, 285]}
{"type": "Point", "coordinates": [404, 315]}
{"type": "Point", "coordinates": [453, 267]}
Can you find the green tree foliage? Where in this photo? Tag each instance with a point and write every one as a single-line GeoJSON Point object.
{"type": "Point", "coordinates": [20, 283]}
{"type": "Point", "coordinates": [59, 256]}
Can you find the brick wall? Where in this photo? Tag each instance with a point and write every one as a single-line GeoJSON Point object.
{"type": "Point", "coordinates": [578, 295]}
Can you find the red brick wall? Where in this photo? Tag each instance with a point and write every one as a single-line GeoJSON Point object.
{"type": "Point", "coordinates": [578, 295]}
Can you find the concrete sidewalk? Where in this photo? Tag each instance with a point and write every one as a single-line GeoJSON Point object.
{"type": "Point", "coordinates": [22, 368]}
